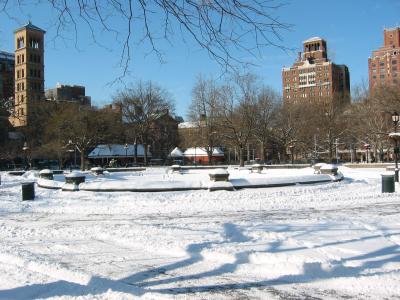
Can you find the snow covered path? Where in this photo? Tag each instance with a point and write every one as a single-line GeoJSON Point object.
{"type": "Point", "coordinates": [331, 241]}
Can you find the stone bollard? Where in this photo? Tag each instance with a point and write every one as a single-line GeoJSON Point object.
{"type": "Point", "coordinates": [72, 181]}
{"type": "Point", "coordinates": [97, 171]}
{"type": "Point", "coordinates": [329, 169]}
{"type": "Point", "coordinates": [28, 191]}
{"type": "Point", "coordinates": [75, 178]}
{"type": "Point", "coordinates": [256, 168]}
{"type": "Point", "coordinates": [317, 168]}
{"type": "Point", "coordinates": [219, 175]}
{"type": "Point", "coordinates": [46, 174]}
{"type": "Point", "coordinates": [176, 168]}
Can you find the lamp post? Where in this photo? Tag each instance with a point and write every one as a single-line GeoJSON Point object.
{"type": "Point", "coordinates": [25, 148]}
{"type": "Point", "coordinates": [126, 155]}
{"type": "Point", "coordinates": [195, 154]}
{"type": "Point", "coordinates": [395, 119]}
{"type": "Point", "coordinates": [291, 147]}
{"type": "Point", "coordinates": [70, 150]}
{"type": "Point", "coordinates": [367, 148]}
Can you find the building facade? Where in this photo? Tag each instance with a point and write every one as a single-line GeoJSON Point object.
{"type": "Point", "coordinates": [29, 72]}
{"type": "Point", "coordinates": [7, 64]}
{"type": "Point", "coordinates": [69, 93]}
{"type": "Point", "coordinates": [313, 77]}
{"type": "Point", "coordinates": [384, 64]}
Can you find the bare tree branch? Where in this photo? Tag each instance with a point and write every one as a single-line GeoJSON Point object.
{"type": "Point", "coordinates": [224, 29]}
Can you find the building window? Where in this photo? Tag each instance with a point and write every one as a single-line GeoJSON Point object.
{"type": "Point", "coordinates": [23, 73]}
{"type": "Point", "coordinates": [394, 62]}
{"type": "Point", "coordinates": [22, 86]}
{"type": "Point", "coordinates": [23, 58]}
{"type": "Point", "coordinates": [18, 59]}
{"type": "Point", "coordinates": [34, 44]}
{"type": "Point", "coordinates": [394, 68]}
{"type": "Point", "coordinates": [18, 74]}
{"type": "Point", "coordinates": [382, 76]}
{"type": "Point", "coordinates": [20, 43]}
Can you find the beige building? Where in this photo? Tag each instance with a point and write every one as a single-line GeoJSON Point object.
{"type": "Point", "coordinates": [384, 65]}
{"type": "Point", "coordinates": [313, 77]}
{"type": "Point", "coordinates": [68, 93]}
{"type": "Point", "coordinates": [29, 72]}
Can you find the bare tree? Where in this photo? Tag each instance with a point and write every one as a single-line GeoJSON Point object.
{"type": "Point", "coordinates": [371, 118]}
{"type": "Point", "coordinates": [83, 127]}
{"type": "Point", "coordinates": [142, 104]}
{"type": "Point", "coordinates": [225, 29]}
{"type": "Point", "coordinates": [203, 112]}
{"type": "Point", "coordinates": [264, 115]}
{"type": "Point", "coordinates": [237, 108]}
{"type": "Point", "coordinates": [286, 128]}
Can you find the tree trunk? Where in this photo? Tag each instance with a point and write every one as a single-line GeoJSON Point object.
{"type": "Point", "coordinates": [135, 153]}
{"type": "Point", "coordinates": [82, 160]}
{"type": "Point", "coordinates": [209, 154]}
{"type": "Point", "coordinates": [145, 153]}
{"type": "Point", "coordinates": [262, 151]}
{"type": "Point", "coordinates": [330, 153]}
{"type": "Point", "coordinates": [241, 156]}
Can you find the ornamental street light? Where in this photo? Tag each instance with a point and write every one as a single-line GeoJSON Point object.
{"type": "Point", "coordinates": [126, 155]}
{"type": "Point", "coordinates": [25, 148]}
{"type": "Point", "coordinates": [291, 148]}
{"type": "Point", "coordinates": [70, 150]}
{"type": "Point", "coordinates": [367, 148]}
{"type": "Point", "coordinates": [396, 119]}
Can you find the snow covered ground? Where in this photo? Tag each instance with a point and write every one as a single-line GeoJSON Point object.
{"type": "Point", "coordinates": [331, 241]}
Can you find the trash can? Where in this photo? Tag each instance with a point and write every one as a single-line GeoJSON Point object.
{"type": "Point", "coordinates": [387, 183]}
{"type": "Point", "coordinates": [28, 191]}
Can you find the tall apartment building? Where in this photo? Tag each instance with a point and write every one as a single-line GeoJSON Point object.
{"type": "Point", "coordinates": [7, 63]}
{"type": "Point", "coordinates": [29, 72]}
{"type": "Point", "coordinates": [384, 65]}
{"type": "Point", "coordinates": [68, 93]}
{"type": "Point", "coordinates": [313, 77]}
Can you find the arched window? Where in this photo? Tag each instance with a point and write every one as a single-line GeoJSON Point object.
{"type": "Point", "coordinates": [20, 43]}
{"type": "Point", "coordinates": [34, 43]}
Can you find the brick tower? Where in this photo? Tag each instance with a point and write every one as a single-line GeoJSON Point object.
{"type": "Point", "coordinates": [29, 72]}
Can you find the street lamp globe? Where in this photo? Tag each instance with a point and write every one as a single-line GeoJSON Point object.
{"type": "Point", "coordinates": [395, 118]}
{"type": "Point", "coordinates": [25, 146]}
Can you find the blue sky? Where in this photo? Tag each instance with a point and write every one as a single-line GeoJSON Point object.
{"type": "Point", "coordinates": [352, 28]}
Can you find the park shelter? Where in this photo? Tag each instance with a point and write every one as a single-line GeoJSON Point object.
{"type": "Point", "coordinates": [122, 154]}
{"type": "Point", "coordinates": [199, 155]}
